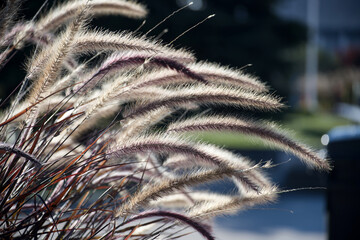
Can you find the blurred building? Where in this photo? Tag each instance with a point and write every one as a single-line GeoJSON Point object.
{"type": "Point", "coordinates": [338, 23]}
{"type": "Point", "coordinates": [334, 29]}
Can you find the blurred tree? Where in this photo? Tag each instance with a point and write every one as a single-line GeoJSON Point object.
{"type": "Point", "coordinates": [243, 32]}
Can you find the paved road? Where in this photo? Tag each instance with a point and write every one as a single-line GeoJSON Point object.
{"type": "Point", "coordinates": [296, 216]}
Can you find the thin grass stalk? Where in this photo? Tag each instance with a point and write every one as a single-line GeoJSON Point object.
{"type": "Point", "coordinates": [68, 11]}
{"type": "Point", "coordinates": [194, 224]}
{"type": "Point", "coordinates": [265, 132]}
{"type": "Point", "coordinates": [210, 95]}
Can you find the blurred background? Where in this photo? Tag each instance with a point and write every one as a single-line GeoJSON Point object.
{"type": "Point", "coordinates": [308, 52]}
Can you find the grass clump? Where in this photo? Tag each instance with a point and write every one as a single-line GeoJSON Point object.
{"type": "Point", "coordinates": [55, 157]}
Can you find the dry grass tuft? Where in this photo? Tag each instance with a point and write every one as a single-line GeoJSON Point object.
{"type": "Point", "coordinates": [81, 151]}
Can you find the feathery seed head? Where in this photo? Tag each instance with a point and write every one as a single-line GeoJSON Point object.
{"type": "Point", "coordinates": [101, 123]}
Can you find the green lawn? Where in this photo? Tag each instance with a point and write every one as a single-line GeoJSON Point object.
{"type": "Point", "coordinates": [307, 128]}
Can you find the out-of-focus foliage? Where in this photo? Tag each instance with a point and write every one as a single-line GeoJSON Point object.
{"type": "Point", "coordinates": [243, 32]}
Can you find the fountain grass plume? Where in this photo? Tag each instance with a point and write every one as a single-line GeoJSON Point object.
{"type": "Point", "coordinates": [92, 144]}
